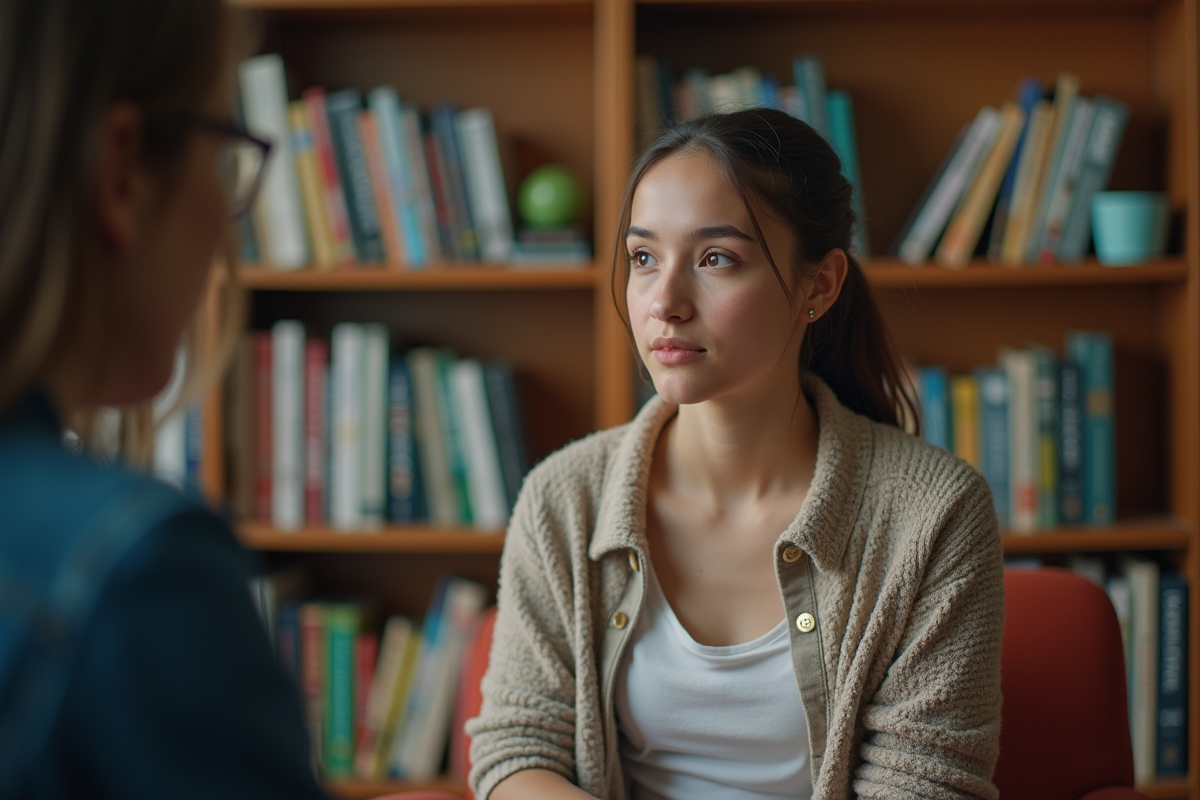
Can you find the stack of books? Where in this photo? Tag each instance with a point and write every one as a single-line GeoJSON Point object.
{"type": "Point", "coordinates": [661, 101]}
{"type": "Point", "coordinates": [1018, 182]}
{"type": "Point", "coordinates": [1039, 428]}
{"type": "Point", "coordinates": [378, 704]}
{"type": "Point", "coordinates": [338, 431]}
{"type": "Point", "coordinates": [354, 181]}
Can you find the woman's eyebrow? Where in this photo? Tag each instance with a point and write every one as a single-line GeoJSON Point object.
{"type": "Point", "coordinates": [708, 232]}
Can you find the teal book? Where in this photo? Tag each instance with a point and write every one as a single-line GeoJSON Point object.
{"type": "Point", "coordinates": [840, 113]}
{"type": "Point", "coordinates": [1093, 352]}
{"type": "Point", "coordinates": [343, 622]}
{"type": "Point", "coordinates": [342, 109]}
{"type": "Point", "coordinates": [993, 437]}
{"type": "Point", "coordinates": [393, 139]}
{"type": "Point", "coordinates": [1045, 388]}
{"type": "Point", "coordinates": [506, 421]}
{"type": "Point", "coordinates": [935, 407]}
{"type": "Point", "coordinates": [1029, 91]}
{"type": "Point", "coordinates": [1171, 742]}
{"type": "Point", "coordinates": [455, 436]}
{"type": "Point", "coordinates": [1104, 139]}
{"type": "Point", "coordinates": [1061, 181]}
{"type": "Point", "coordinates": [808, 73]}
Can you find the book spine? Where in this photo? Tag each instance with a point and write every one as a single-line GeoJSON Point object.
{"type": "Point", "coordinates": [316, 432]}
{"type": "Point", "coordinates": [331, 178]}
{"type": "Point", "coordinates": [389, 223]}
{"type": "Point", "coordinates": [379, 696]}
{"type": "Point", "coordinates": [964, 394]}
{"type": "Point", "coordinates": [452, 431]}
{"type": "Point", "coordinates": [264, 104]}
{"type": "Point", "coordinates": [1046, 383]}
{"type": "Point", "coordinates": [287, 434]}
{"type": "Point", "coordinates": [435, 158]}
{"type": "Point", "coordinates": [484, 479]}
{"type": "Point", "coordinates": [486, 192]}
{"type": "Point", "coordinates": [1099, 156]}
{"type": "Point", "coordinates": [1023, 428]}
{"type": "Point", "coordinates": [1062, 182]}
{"type": "Point", "coordinates": [311, 191]}
{"type": "Point", "coordinates": [1029, 92]}
{"type": "Point", "coordinates": [373, 492]}
{"type": "Point", "coordinates": [421, 688]}
{"type": "Point", "coordinates": [1024, 198]}
{"type": "Point", "coordinates": [1070, 441]}
{"type": "Point", "coordinates": [366, 652]}
{"type": "Point", "coordinates": [346, 463]}
{"type": "Point", "coordinates": [506, 421]}
{"type": "Point", "coordinates": [262, 425]}
{"type": "Point", "coordinates": [342, 109]}
{"type": "Point", "coordinates": [993, 437]}
{"type": "Point", "coordinates": [422, 182]}
{"type": "Point", "coordinates": [341, 633]}
{"type": "Point", "coordinates": [1171, 741]}
{"type": "Point", "coordinates": [431, 441]}
{"type": "Point", "coordinates": [394, 147]}
{"type": "Point", "coordinates": [1143, 679]}
{"type": "Point", "coordinates": [312, 675]}
{"type": "Point", "coordinates": [935, 404]}
{"type": "Point", "coordinates": [809, 74]}
{"type": "Point", "coordinates": [842, 135]}
{"type": "Point", "coordinates": [1066, 91]}
{"type": "Point", "coordinates": [401, 456]}
{"type": "Point", "coordinates": [1092, 350]}
{"type": "Point", "coordinates": [442, 124]}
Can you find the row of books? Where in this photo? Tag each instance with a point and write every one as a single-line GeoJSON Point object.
{"type": "Point", "coordinates": [378, 704]}
{"type": "Point", "coordinates": [662, 101]}
{"type": "Point", "coordinates": [1152, 607]}
{"type": "Point", "coordinates": [1040, 428]}
{"type": "Point", "coordinates": [354, 182]}
{"type": "Point", "coordinates": [339, 431]}
{"type": "Point", "coordinates": [1018, 182]}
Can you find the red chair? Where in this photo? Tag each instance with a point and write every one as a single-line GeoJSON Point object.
{"type": "Point", "coordinates": [1065, 727]}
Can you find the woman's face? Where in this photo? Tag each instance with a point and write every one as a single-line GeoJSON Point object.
{"type": "Point", "coordinates": [157, 284]}
{"type": "Point", "coordinates": [708, 314]}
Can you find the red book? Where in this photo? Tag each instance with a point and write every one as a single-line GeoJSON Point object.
{"type": "Point", "coordinates": [316, 431]}
{"type": "Point", "coordinates": [312, 673]}
{"type": "Point", "coordinates": [262, 425]}
{"type": "Point", "coordinates": [366, 654]}
{"type": "Point", "coordinates": [331, 179]}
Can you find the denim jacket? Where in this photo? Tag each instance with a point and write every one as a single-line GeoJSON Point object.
{"type": "Point", "coordinates": [132, 661]}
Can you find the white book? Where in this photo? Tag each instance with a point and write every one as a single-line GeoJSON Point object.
{"type": "Point", "coordinates": [346, 370]}
{"type": "Point", "coordinates": [485, 480]}
{"type": "Point", "coordinates": [1142, 574]}
{"type": "Point", "coordinates": [169, 461]}
{"type": "Point", "coordinates": [960, 172]}
{"type": "Point", "coordinates": [1061, 183]}
{"type": "Point", "coordinates": [1023, 469]}
{"type": "Point", "coordinates": [373, 496]}
{"type": "Point", "coordinates": [384, 686]}
{"type": "Point", "coordinates": [287, 424]}
{"type": "Point", "coordinates": [264, 107]}
{"type": "Point", "coordinates": [486, 193]}
{"type": "Point", "coordinates": [418, 753]}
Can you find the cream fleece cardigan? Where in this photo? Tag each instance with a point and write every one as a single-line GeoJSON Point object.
{"type": "Point", "coordinates": [891, 574]}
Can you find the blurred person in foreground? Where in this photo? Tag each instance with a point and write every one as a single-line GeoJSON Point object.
{"type": "Point", "coordinates": [132, 662]}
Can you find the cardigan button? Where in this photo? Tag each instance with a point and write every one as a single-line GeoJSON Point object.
{"type": "Point", "coordinates": [633, 561]}
{"type": "Point", "coordinates": [620, 620]}
{"type": "Point", "coordinates": [791, 554]}
{"type": "Point", "coordinates": [805, 622]}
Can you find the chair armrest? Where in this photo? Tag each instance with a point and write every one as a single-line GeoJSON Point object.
{"type": "Point", "coordinates": [1115, 793]}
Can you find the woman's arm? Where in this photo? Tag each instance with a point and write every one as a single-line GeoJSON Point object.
{"type": "Point", "coordinates": [933, 725]}
{"type": "Point", "coordinates": [538, 784]}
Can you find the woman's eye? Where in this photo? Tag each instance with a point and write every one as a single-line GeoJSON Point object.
{"type": "Point", "coordinates": [717, 260]}
{"type": "Point", "coordinates": [643, 259]}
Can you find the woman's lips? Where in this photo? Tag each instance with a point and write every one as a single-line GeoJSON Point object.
{"type": "Point", "coordinates": [673, 351]}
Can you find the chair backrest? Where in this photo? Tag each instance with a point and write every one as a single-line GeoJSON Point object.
{"type": "Point", "coordinates": [1065, 722]}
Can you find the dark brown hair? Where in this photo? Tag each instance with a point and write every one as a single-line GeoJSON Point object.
{"type": "Point", "coordinates": [790, 171]}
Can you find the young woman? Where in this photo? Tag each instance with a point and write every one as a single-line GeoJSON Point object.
{"type": "Point", "coordinates": [132, 663]}
{"type": "Point", "coordinates": [761, 586]}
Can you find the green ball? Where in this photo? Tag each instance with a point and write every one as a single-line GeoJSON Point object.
{"type": "Point", "coordinates": [550, 197]}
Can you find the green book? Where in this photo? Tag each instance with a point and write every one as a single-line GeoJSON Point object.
{"type": "Point", "coordinates": [343, 622]}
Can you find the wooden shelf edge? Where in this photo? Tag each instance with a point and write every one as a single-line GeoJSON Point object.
{"type": "Point", "coordinates": [440, 278]}
{"type": "Point", "coordinates": [1177, 789]}
{"type": "Point", "coordinates": [391, 539]}
{"type": "Point", "coordinates": [359, 5]}
{"type": "Point", "coordinates": [887, 273]}
{"type": "Point", "coordinates": [365, 789]}
{"type": "Point", "coordinates": [1135, 534]}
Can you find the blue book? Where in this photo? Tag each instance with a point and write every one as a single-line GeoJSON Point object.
{"type": "Point", "coordinates": [401, 444]}
{"type": "Point", "coordinates": [1171, 756]}
{"type": "Point", "coordinates": [1093, 352]}
{"type": "Point", "coordinates": [342, 109]}
{"type": "Point", "coordinates": [842, 136]}
{"type": "Point", "coordinates": [193, 441]}
{"type": "Point", "coordinates": [935, 407]}
{"type": "Point", "coordinates": [393, 139]}
{"type": "Point", "coordinates": [808, 73]}
{"type": "Point", "coordinates": [993, 437]}
{"type": "Point", "coordinates": [1070, 444]}
{"type": "Point", "coordinates": [506, 422]}
{"type": "Point", "coordinates": [1029, 91]}
{"type": "Point", "coordinates": [768, 93]}
{"type": "Point", "coordinates": [442, 125]}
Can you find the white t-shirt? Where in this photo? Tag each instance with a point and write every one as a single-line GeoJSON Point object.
{"type": "Point", "coordinates": [700, 722]}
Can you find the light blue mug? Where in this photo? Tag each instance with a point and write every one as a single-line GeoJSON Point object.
{"type": "Point", "coordinates": [1129, 227]}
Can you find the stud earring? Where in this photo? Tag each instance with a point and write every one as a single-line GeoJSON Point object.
{"type": "Point", "coordinates": [812, 313]}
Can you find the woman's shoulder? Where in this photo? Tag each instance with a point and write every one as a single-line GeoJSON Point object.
{"type": "Point", "coordinates": [578, 464]}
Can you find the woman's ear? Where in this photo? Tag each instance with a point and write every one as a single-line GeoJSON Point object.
{"type": "Point", "coordinates": [826, 285]}
{"type": "Point", "coordinates": [122, 180]}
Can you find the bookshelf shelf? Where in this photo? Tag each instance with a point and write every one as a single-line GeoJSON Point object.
{"type": "Point", "coordinates": [394, 539]}
{"type": "Point", "coordinates": [1165, 790]}
{"type": "Point", "coordinates": [363, 790]}
{"type": "Point", "coordinates": [367, 5]}
{"type": "Point", "coordinates": [441, 278]}
{"type": "Point", "coordinates": [1136, 534]}
{"type": "Point", "coordinates": [893, 274]}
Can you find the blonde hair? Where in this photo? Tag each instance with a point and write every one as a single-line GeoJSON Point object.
{"type": "Point", "coordinates": [63, 63]}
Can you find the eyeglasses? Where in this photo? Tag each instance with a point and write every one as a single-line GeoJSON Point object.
{"type": "Point", "coordinates": [241, 159]}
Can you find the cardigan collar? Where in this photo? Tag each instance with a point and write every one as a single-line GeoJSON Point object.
{"type": "Point", "coordinates": [830, 509]}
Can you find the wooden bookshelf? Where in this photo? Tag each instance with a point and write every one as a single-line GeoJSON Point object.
{"type": "Point", "coordinates": [559, 77]}
{"type": "Point", "coordinates": [365, 790]}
